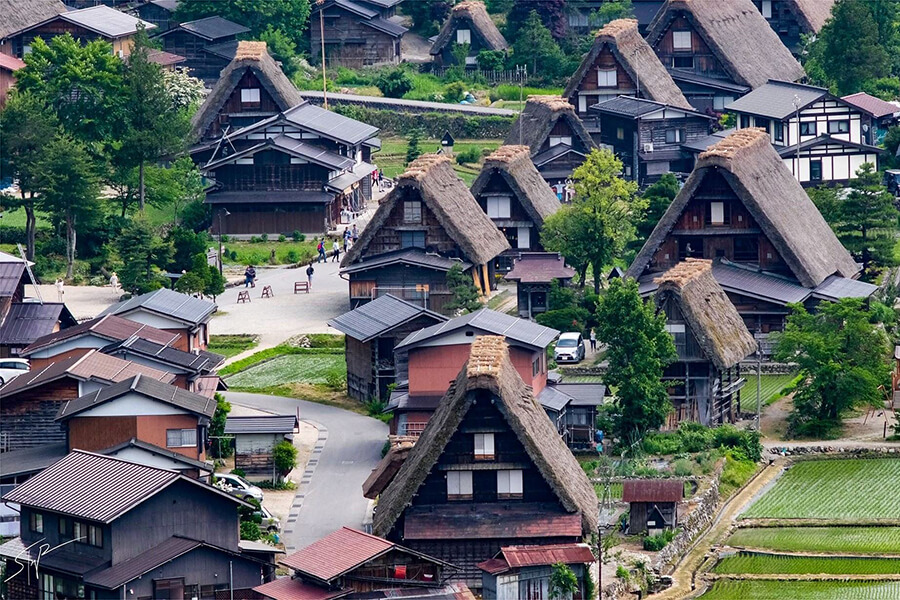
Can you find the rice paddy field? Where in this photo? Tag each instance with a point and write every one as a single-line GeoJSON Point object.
{"type": "Point", "coordinates": [771, 564]}
{"type": "Point", "coordinates": [833, 489]}
{"type": "Point", "coordinates": [292, 368]}
{"type": "Point", "coordinates": [834, 540]}
{"type": "Point", "coordinates": [803, 590]}
{"type": "Point", "coordinates": [770, 388]}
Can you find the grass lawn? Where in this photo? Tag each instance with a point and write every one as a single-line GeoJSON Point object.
{"type": "Point", "coordinates": [803, 590]}
{"type": "Point", "coordinates": [392, 157]}
{"type": "Point", "coordinates": [770, 389]}
{"type": "Point", "coordinates": [260, 253]}
{"type": "Point", "coordinates": [231, 345]}
{"type": "Point", "coordinates": [747, 562]}
{"type": "Point", "coordinates": [855, 540]}
{"type": "Point", "coordinates": [833, 489]}
{"type": "Point", "coordinates": [293, 368]}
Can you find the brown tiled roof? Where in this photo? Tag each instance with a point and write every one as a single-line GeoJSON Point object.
{"type": "Point", "coordinates": [294, 589]}
{"type": "Point", "coordinates": [539, 267]}
{"type": "Point", "coordinates": [653, 490]}
{"type": "Point", "coordinates": [336, 553]}
{"type": "Point", "coordinates": [870, 104]}
{"type": "Point", "coordinates": [108, 327]}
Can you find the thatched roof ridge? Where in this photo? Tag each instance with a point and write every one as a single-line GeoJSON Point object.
{"type": "Point", "coordinates": [812, 14]}
{"type": "Point", "coordinates": [489, 368]}
{"type": "Point", "coordinates": [253, 56]}
{"type": "Point", "coordinates": [777, 201]}
{"type": "Point", "coordinates": [738, 35]}
{"type": "Point", "coordinates": [477, 15]}
{"type": "Point", "coordinates": [538, 118]}
{"type": "Point", "coordinates": [637, 58]}
{"type": "Point", "coordinates": [513, 163]}
{"type": "Point", "coordinates": [712, 318]}
{"type": "Point", "coordinates": [432, 177]}
{"type": "Point", "coordinates": [16, 15]}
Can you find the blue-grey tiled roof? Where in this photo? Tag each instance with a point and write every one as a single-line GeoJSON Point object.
{"type": "Point", "coordinates": [167, 302]}
{"type": "Point", "coordinates": [490, 322]}
{"type": "Point", "coordinates": [378, 317]}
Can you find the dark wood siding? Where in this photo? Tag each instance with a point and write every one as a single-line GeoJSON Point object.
{"type": "Point", "coordinates": [349, 42]}
{"type": "Point", "coordinates": [230, 112]}
{"type": "Point", "coordinates": [26, 419]}
{"type": "Point", "coordinates": [704, 61]}
{"type": "Point", "coordinates": [254, 219]}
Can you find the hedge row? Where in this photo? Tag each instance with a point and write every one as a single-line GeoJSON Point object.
{"type": "Point", "coordinates": [432, 124]}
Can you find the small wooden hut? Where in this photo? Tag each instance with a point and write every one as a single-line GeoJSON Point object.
{"type": "Point", "coordinates": [653, 504]}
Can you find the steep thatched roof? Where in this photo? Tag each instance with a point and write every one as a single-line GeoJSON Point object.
{"type": "Point", "coordinates": [737, 34]}
{"type": "Point", "coordinates": [255, 57]}
{"type": "Point", "coordinates": [16, 15]}
{"type": "Point", "coordinates": [538, 118]}
{"type": "Point", "coordinates": [777, 201]}
{"type": "Point", "coordinates": [637, 58]}
{"type": "Point", "coordinates": [478, 20]}
{"type": "Point", "coordinates": [811, 14]}
{"type": "Point", "coordinates": [513, 164]}
{"type": "Point", "coordinates": [711, 316]}
{"type": "Point", "coordinates": [489, 368]}
{"type": "Point", "coordinates": [433, 179]}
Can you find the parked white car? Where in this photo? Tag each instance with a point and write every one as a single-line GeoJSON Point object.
{"type": "Point", "coordinates": [10, 368]}
{"type": "Point", "coordinates": [569, 348]}
{"type": "Point", "coordinates": [238, 486]}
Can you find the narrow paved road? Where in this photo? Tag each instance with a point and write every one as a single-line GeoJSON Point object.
{"type": "Point", "coordinates": [332, 496]}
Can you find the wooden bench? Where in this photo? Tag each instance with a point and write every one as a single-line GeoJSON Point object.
{"type": "Point", "coordinates": [243, 297]}
{"type": "Point", "coordinates": [301, 286]}
{"type": "Point", "coordinates": [267, 292]}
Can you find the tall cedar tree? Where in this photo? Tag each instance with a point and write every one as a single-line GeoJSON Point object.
{"type": "Point", "coordinates": [143, 252]}
{"type": "Point", "coordinates": [867, 221]}
{"type": "Point", "coordinates": [659, 196]}
{"type": "Point", "coordinates": [26, 125]}
{"type": "Point", "coordinates": [605, 210]}
{"type": "Point", "coordinates": [152, 124]}
{"type": "Point", "coordinates": [68, 188]}
{"type": "Point", "coordinates": [465, 295]}
{"type": "Point", "coordinates": [639, 348]}
{"type": "Point", "coordinates": [850, 52]}
{"type": "Point", "coordinates": [551, 13]}
{"type": "Point", "coordinates": [427, 15]}
{"type": "Point", "coordinates": [842, 359]}
{"type": "Point", "coordinates": [536, 48]}
{"type": "Point", "coordinates": [291, 17]}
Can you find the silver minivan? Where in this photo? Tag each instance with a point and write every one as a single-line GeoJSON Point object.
{"type": "Point", "coordinates": [569, 348]}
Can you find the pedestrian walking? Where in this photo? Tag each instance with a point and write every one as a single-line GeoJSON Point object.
{"type": "Point", "coordinates": [59, 288]}
{"type": "Point", "coordinates": [321, 250]}
{"type": "Point", "coordinates": [249, 277]}
{"type": "Point", "coordinates": [309, 274]}
{"type": "Point", "coordinates": [114, 281]}
{"type": "Point", "coordinates": [593, 340]}
{"type": "Point", "coordinates": [336, 251]}
{"type": "Point", "coordinates": [346, 237]}
{"type": "Point", "coordinates": [354, 235]}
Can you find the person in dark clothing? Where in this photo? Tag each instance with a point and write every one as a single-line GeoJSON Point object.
{"type": "Point", "coordinates": [309, 274]}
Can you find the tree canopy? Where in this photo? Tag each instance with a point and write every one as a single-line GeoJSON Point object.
{"type": "Point", "coordinates": [291, 17]}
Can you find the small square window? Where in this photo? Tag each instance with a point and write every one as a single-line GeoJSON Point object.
{"type": "Point", "coordinates": [181, 438]}
{"type": "Point", "coordinates": [683, 62]}
{"type": "Point", "coordinates": [838, 127]}
{"type": "Point", "coordinates": [412, 211]}
{"type": "Point", "coordinates": [36, 522]}
{"type": "Point", "coordinates": [412, 239]}
{"type": "Point", "coordinates": [606, 78]}
{"type": "Point", "coordinates": [808, 128]}
{"type": "Point", "coordinates": [509, 484]}
{"type": "Point", "coordinates": [498, 207]}
{"type": "Point", "coordinates": [674, 136]}
{"type": "Point", "coordinates": [745, 121]}
{"type": "Point", "coordinates": [681, 40]}
{"type": "Point", "coordinates": [250, 96]}
{"type": "Point", "coordinates": [459, 485]}
{"type": "Point", "coordinates": [484, 446]}
{"type": "Point", "coordinates": [463, 36]}
{"type": "Point", "coordinates": [620, 133]}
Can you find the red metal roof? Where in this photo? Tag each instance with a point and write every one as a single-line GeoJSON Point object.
{"type": "Point", "coordinates": [10, 63]}
{"type": "Point", "coordinates": [539, 267]}
{"type": "Point", "coordinates": [294, 589]}
{"type": "Point", "coordinates": [532, 556]}
{"type": "Point", "coordinates": [490, 521]}
{"type": "Point", "coordinates": [494, 566]}
{"type": "Point", "coordinates": [337, 553]}
{"type": "Point", "coordinates": [653, 490]}
{"type": "Point", "coordinates": [870, 104]}
{"type": "Point", "coordinates": [109, 327]}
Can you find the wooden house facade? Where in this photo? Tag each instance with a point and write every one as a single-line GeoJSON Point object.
{"type": "Point", "coordinates": [469, 23]}
{"type": "Point", "coordinates": [489, 450]}
{"type": "Point", "coordinates": [8, 67]}
{"type": "Point", "coordinates": [18, 16]}
{"type": "Point", "coordinates": [254, 439]}
{"type": "Point", "coordinates": [525, 571]}
{"type": "Point", "coordinates": [770, 245]}
{"type": "Point", "coordinates": [356, 34]}
{"type": "Point", "coordinates": [878, 116]}
{"type": "Point", "coordinates": [832, 141]}
{"type": "Point", "coordinates": [512, 193]}
{"type": "Point", "coordinates": [792, 19]}
{"type": "Point", "coordinates": [652, 504]}
{"type": "Point", "coordinates": [555, 136]}
{"type": "Point", "coordinates": [620, 63]}
{"type": "Point", "coordinates": [295, 171]}
{"type": "Point", "coordinates": [649, 137]}
{"type": "Point", "coordinates": [716, 51]}
{"type": "Point", "coordinates": [159, 12]}
{"type": "Point", "coordinates": [427, 224]}
{"type": "Point", "coordinates": [207, 45]}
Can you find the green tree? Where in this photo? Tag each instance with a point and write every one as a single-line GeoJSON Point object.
{"type": "Point", "coordinates": [659, 196]}
{"type": "Point", "coordinates": [284, 454]}
{"type": "Point", "coordinates": [184, 91]}
{"type": "Point", "coordinates": [26, 125]}
{"type": "Point", "coordinates": [190, 283]}
{"type": "Point", "coordinates": [289, 16]}
{"type": "Point", "coordinates": [218, 447]}
{"type": "Point", "coordinates": [427, 15]}
{"type": "Point", "coordinates": [68, 188]}
{"type": "Point", "coordinates": [610, 11]}
{"type": "Point", "coordinates": [563, 582]}
{"type": "Point", "coordinates": [491, 60]}
{"type": "Point", "coordinates": [143, 253]}
{"type": "Point", "coordinates": [282, 48]}
{"type": "Point", "coordinates": [842, 359]}
{"type": "Point", "coordinates": [465, 294]}
{"type": "Point", "coordinates": [394, 83]}
{"type": "Point", "coordinates": [639, 349]}
{"type": "Point", "coordinates": [536, 48]}
{"type": "Point", "coordinates": [412, 149]}
{"type": "Point", "coordinates": [867, 221]}
{"type": "Point", "coordinates": [828, 200]}
{"type": "Point", "coordinates": [176, 185]}
{"type": "Point", "coordinates": [567, 233]}
{"type": "Point", "coordinates": [551, 14]}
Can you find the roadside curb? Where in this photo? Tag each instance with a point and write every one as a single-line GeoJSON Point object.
{"type": "Point", "coordinates": [305, 481]}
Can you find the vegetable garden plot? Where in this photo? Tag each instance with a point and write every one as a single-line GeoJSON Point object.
{"type": "Point", "coordinates": [833, 489]}
{"type": "Point", "coordinates": [305, 368]}
{"type": "Point", "coordinates": [852, 540]}
{"type": "Point", "coordinates": [749, 562]}
{"type": "Point", "coordinates": [802, 590]}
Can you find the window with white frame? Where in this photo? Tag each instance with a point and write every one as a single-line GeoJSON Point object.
{"type": "Point", "coordinates": [717, 213]}
{"type": "Point", "coordinates": [471, 60]}
{"type": "Point", "coordinates": [842, 126]}
{"type": "Point", "coordinates": [766, 9]}
{"type": "Point", "coordinates": [556, 140]}
{"type": "Point", "coordinates": [250, 96]}
{"type": "Point", "coordinates": [463, 36]}
{"type": "Point", "coordinates": [681, 40]}
{"type": "Point", "coordinates": [606, 78]}
{"type": "Point", "coordinates": [498, 207]}
{"type": "Point", "coordinates": [509, 484]}
{"type": "Point", "coordinates": [524, 238]}
{"type": "Point", "coordinates": [484, 446]}
{"type": "Point", "coordinates": [181, 438]}
{"type": "Point", "coordinates": [459, 485]}
{"type": "Point", "coordinates": [674, 136]}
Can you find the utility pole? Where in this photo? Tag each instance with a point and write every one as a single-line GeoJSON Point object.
{"type": "Point", "coordinates": [223, 213]}
{"type": "Point", "coordinates": [796, 102]}
{"type": "Point", "coordinates": [759, 375]}
{"type": "Point", "coordinates": [322, 35]}
{"type": "Point", "coordinates": [522, 72]}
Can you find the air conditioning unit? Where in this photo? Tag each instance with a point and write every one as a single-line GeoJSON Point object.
{"type": "Point", "coordinates": [648, 147]}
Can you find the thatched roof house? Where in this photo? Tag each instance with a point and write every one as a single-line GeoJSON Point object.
{"type": "Point", "coordinates": [713, 320]}
{"type": "Point", "coordinates": [489, 370]}
{"type": "Point", "coordinates": [252, 68]}
{"type": "Point", "coordinates": [431, 179]}
{"type": "Point", "coordinates": [16, 15]}
{"type": "Point", "coordinates": [752, 169]}
{"type": "Point", "coordinates": [737, 35]}
{"type": "Point", "coordinates": [648, 77]}
{"type": "Point", "coordinates": [471, 16]}
{"type": "Point", "coordinates": [513, 165]}
{"type": "Point", "coordinates": [811, 14]}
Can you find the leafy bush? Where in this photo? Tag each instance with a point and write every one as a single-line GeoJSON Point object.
{"type": "Point", "coordinates": [694, 437]}
{"type": "Point", "coordinates": [239, 472]}
{"type": "Point", "coordinates": [563, 582]}
{"type": "Point", "coordinates": [735, 474]}
{"type": "Point", "coordinates": [567, 319]}
{"type": "Point", "coordinates": [264, 237]}
{"type": "Point", "coordinates": [284, 454]}
{"type": "Point", "coordinates": [454, 92]}
{"type": "Point", "coordinates": [336, 379]}
{"type": "Point", "coordinates": [394, 83]}
{"type": "Point", "coordinates": [293, 256]}
{"type": "Point", "coordinates": [282, 238]}
{"type": "Point", "coordinates": [622, 573]}
{"type": "Point", "coordinates": [683, 467]}
{"type": "Point", "coordinates": [297, 236]}
{"type": "Point", "coordinates": [468, 156]}
{"type": "Point", "coordinates": [347, 76]}
{"type": "Point", "coordinates": [433, 124]}
{"type": "Point", "coordinates": [655, 543]}
{"type": "Point", "coordinates": [490, 60]}
{"type": "Point", "coordinates": [508, 91]}
{"type": "Point", "coordinates": [375, 409]}
{"type": "Point", "coordinates": [250, 531]}
{"type": "Point", "coordinates": [284, 484]}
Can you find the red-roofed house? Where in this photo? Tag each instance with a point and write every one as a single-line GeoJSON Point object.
{"type": "Point", "coordinates": [878, 115]}
{"type": "Point", "coordinates": [534, 274]}
{"type": "Point", "coordinates": [653, 504]}
{"type": "Point", "coordinates": [348, 561]}
{"type": "Point", "coordinates": [8, 66]}
{"type": "Point", "coordinates": [526, 570]}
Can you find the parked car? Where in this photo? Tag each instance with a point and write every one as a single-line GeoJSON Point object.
{"type": "Point", "coordinates": [270, 523]}
{"type": "Point", "coordinates": [10, 368]}
{"type": "Point", "coordinates": [569, 348]}
{"type": "Point", "coordinates": [238, 486]}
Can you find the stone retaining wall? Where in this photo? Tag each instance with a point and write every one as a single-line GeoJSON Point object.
{"type": "Point", "coordinates": [696, 523]}
{"type": "Point", "coordinates": [833, 451]}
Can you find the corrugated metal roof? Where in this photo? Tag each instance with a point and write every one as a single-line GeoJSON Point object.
{"type": "Point", "coordinates": [492, 521]}
{"type": "Point", "coordinates": [553, 398]}
{"type": "Point", "coordinates": [294, 589]}
{"type": "Point", "coordinates": [653, 490]}
{"type": "Point", "coordinates": [775, 99]}
{"type": "Point", "coordinates": [106, 21]}
{"type": "Point", "coordinates": [329, 124]}
{"type": "Point", "coordinates": [336, 553]}
{"type": "Point", "coordinates": [385, 26]}
{"type": "Point", "coordinates": [153, 449]}
{"type": "Point", "coordinates": [144, 386]}
{"type": "Point", "coordinates": [31, 460]}
{"type": "Point", "coordinates": [759, 285]}
{"type": "Point", "coordinates": [400, 103]}
{"type": "Point", "coordinates": [214, 28]}
{"type": "Point", "coordinates": [355, 8]}
{"type": "Point", "coordinates": [57, 559]}
{"type": "Point", "coordinates": [201, 362]}
{"type": "Point", "coordinates": [534, 556]}
{"type": "Point", "coordinates": [410, 256]}
{"type": "Point", "coordinates": [263, 197]}
{"type": "Point", "coordinates": [870, 104]}
{"type": "Point", "coordinates": [836, 287]}
{"type": "Point", "coordinates": [359, 172]}
{"type": "Point", "coordinates": [225, 50]}
{"type": "Point", "coordinates": [27, 321]}
{"type": "Point", "coordinates": [262, 424]}
{"type": "Point", "coordinates": [584, 394]}
{"type": "Point", "coordinates": [11, 274]}
{"type": "Point", "coordinates": [120, 574]}
{"type": "Point", "coordinates": [490, 322]}
{"type": "Point", "coordinates": [312, 153]}
{"type": "Point", "coordinates": [379, 316]}
{"type": "Point", "coordinates": [108, 327]}
{"type": "Point", "coordinates": [167, 302]}
{"type": "Point", "coordinates": [702, 80]}
{"type": "Point", "coordinates": [628, 106]}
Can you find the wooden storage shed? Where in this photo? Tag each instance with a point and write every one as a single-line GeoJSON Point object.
{"type": "Point", "coordinates": [653, 504]}
{"type": "Point", "coordinates": [254, 440]}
